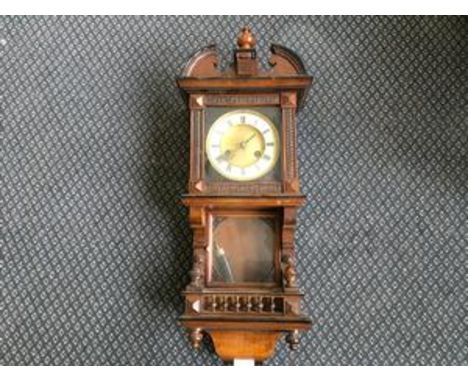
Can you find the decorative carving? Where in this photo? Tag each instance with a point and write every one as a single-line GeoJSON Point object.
{"type": "Point", "coordinates": [287, 71]}
{"type": "Point", "coordinates": [196, 274]}
{"type": "Point", "coordinates": [197, 128]}
{"type": "Point", "coordinates": [197, 101]}
{"type": "Point", "coordinates": [243, 303]}
{"type": "Point", "coordinates": [196, 306]}
{"type": "Point", "coordinates": [204, 63]}
{"type": "Point", "coordinates": [289, 147]}
{"type": "Point", "coordinates": [199, 185]}
{"type": "Point", "coordinates": [197, 222]}
{"type": "Point", "coordinates": [292, 339]}
{"type": "Point", "coordinates": [241, 99]}
{"type": "Point", "coordinates": [289, 269]}
{"type": "Point", "coordinates": [243, 188]}
{"type": "Point", "coordinates": [288, 99]}
{"type": "Point", "coordinates": [288, 258]}
{"type": "Point", "coordinates": [291, 307]}
{"type": "Point", "coordinates": [292, 186]}
{"type": "Point", "coordinates": [246, 63]}
{"type": "Point", "coordinates": [196, 336]}
{"type": "Point", "coordinates": [246, 40]}
{"type": "Point", "coordinates": [285, 62]}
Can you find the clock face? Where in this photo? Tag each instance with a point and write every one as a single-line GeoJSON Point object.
{"type": "Point", "coordinates": [242, 145]}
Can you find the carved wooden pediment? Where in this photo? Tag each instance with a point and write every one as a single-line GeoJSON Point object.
{"type": "Point", "coordinates": [286, 70]}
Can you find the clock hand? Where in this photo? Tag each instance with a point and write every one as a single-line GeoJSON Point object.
{"type": "Point", "coordinates": [250, 138]}
{"type": "Point", "coordinates": [244, 142]}
{"type": "Point", "coordinates": [226, 155]}
{"type": "Point", "coordinates": [229, 154]}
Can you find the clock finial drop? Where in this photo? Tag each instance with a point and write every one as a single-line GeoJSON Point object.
{"type": "Point", "coordinates": [246, 39]}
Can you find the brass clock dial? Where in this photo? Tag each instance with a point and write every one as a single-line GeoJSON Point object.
{"type": "Point", "coordinates": [242, 145]}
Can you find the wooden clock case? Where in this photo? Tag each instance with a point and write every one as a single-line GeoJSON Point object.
{"type": "Point", "coordinates": [244, 320]}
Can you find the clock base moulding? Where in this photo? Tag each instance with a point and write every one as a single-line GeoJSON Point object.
{"type": "Point", "coordinates": [246, 340]}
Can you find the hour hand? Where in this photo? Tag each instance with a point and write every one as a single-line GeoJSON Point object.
{"type": "Point", "coordinates": [224, 156]}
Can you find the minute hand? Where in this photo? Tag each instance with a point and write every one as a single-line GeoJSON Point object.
{"type": "Point", "coordinates": [241, 144]}
{"type": "Point", "coordinates": [244, 143]}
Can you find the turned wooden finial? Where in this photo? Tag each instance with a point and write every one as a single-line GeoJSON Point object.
{"type": "Point", "coordinates": [246, 40]}
{"type": "Point", "coordinates": [245, 54]}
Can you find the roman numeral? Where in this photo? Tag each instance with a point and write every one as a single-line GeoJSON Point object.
{"type": "Point", "coordinates": [229, 122]}
{"type": "Point", "coordinates": [270, 144]}
{"type": "Point", "coordinates": [215, 146]}
{"type": "Point", "coordinates": [266, 157]}
{"type": "Point", "coordinates": [265, 131]}
{"type": "Point", "coordinates": [228, 168]}
{"type": "Point", "coordinates": [242, 119]}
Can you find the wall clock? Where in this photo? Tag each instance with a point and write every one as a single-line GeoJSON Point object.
{"type": "Point", "coordinates": [243, 196]}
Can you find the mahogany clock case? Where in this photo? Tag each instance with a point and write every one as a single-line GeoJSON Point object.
{"type": "Point", "coordinates": [96, 249]}
{"type": "Point", "coordinates": [243, 292]}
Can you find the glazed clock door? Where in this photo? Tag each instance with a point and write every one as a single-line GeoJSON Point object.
{"type": "Point", "coordinates": [244, 248]}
